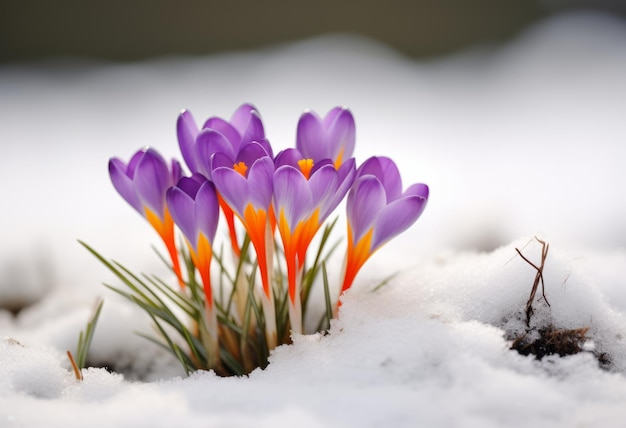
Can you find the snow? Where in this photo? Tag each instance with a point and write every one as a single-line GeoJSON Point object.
{"type": "Point", "coordinates": [516, 142]}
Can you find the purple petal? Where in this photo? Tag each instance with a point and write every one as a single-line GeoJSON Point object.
{"type": "Point", "coordinates": [387, 172]}
{"type": "Point", "coordinates": [233, 187]}
{"type": "Point", "coordinates": [187, 131]}
{"type": "Point", "coordinates": [347, 173]}
{"type": "Point", "coordinates": [124, 184]}
{"type": "Point", "coordinates": [326, 138]}
{"type": "Point", "coordinates": [194, 208]}
{"type": "Point", "coordinates": [320, 163]}
{"type": "Point", "coordinates": [208, 143]}
{"type": "Point", "coordinates": [332, 115]}
{"type": "Point", "coordinates": [182, 209]}
{"type": "Point", "coordinates": [254, 130]}
{"type": "Point", "coordinates": [396, 217]}
{"type": "Point", "coordinates": [152, 179]}
{"type": "Point", "coordinates": [260, 186]}
{"type": "Point", "coordinates": [134, 160]}
{"type": "Point", "coordinates": [292, 195]}
{"type": "Point", "coordinates": [250, 152]}
{"type": "Point", "coordinates": [220, 160]}
{"type": "Point", "coordinates": [288, 157]}
{"type": "Point", "coordinates": [207, 210]}
{"type": "Point", "coordinates": [323, 184]}
{"type": "Point", "coordinates": [311, 137]}
{"type": "Point", "coordinates": [418, 189]}
{"type": "Point", "coordinates": [241, 117]}
{"type": "Point", "coordinates": [177, 171]}
{"type": "Point", "coordinates": [345, 178]}
{"type": "Point", "coordinates": [226, 129]}
{"type": "Point", "coordinates": [190, 185]}
{"type": "Point", "coordinates": [266, 146]}
{"type": "Point", "coordinates": [365, 201]}
{"type": "Point", "coordinates": [341, 132]}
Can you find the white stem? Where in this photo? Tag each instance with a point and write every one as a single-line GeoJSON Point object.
{"type": "Point", "coordinates": [295, 313]}
{"type": "Point", "coordinates": [269, 310]}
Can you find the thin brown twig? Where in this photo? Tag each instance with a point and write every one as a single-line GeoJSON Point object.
{"type": "Point", "coordinates": [77, 372]}
{"type": "Point", "coordinates": [538, 277]}
{"type": "Point", "coordinates": [513, 256]}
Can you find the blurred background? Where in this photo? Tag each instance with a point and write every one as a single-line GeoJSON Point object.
{"type": "Point", "coordinates": [122, 30]}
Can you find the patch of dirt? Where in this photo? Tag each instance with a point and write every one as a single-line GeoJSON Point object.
{"type": "Point", "coordinates": [552, 341]}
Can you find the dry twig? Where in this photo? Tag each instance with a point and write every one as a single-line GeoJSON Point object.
{"type": "Point", "coordinates": [538, 277]}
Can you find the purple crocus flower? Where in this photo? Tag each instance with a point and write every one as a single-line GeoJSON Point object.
{"type": "Point", "coordinates": [304, 196]}
{"type": "Point", "coordinates": [194, 208]}
{"type": "Point", "coordinates": [247, 189]}
{"type": "Point", "coordinates": [238, 140]}
{"type": "Point", "coordinates": [303, 188]}
{"type": "Point", "coordinates": [378, 211]}
{"type": "Point", "coordinates": [219, 136]}
{"type": "Point", "coordinates": [332, 137]}
{"type": "Point", "coordinates": [143, 182]}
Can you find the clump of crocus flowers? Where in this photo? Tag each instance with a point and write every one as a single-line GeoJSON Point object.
{"type": "Point", "coordinates": [232, 307]}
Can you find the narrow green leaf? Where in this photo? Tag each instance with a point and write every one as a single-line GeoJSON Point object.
{"type": "Point", "coordinates": [385, 282]}
{"type": "Point", "coordinates": [231, 362]}
{"type": "Point", "coordinates": [85, 337]}
{"type": "Point", "coordinates": [328, 315]}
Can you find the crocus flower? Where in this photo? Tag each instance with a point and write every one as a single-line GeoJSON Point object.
{"type": "Point", "coordinates": [194, 208]}
{"type": "Point", "coordinates": [143, 182]}
{"type": "Point", "coordinates": [247, 188]}
{"type": "Point", "coordinates": [219, 136]}
{"type": "Point", "coordinates": [304, 196]}
{"type": "Point", "coordinates": [330, 138]}
{"type": "Point", "coordinates": [229, 138]}
{"type": "Point", "coordinates": [377, 211]}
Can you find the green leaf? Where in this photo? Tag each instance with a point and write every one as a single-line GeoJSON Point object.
{"type": "Point", "coordinates": [85, 338]}
{"type": "Point", "coordinates": [324, 323]}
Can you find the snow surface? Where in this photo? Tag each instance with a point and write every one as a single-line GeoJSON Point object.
{"type": "Point", "coordinates": [515, 142]}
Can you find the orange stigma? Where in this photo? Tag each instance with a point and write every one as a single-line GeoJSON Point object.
{"type": "Point", "coordinates": [241, 168]}
{"type": "Point", "coordinates": [306, 165]}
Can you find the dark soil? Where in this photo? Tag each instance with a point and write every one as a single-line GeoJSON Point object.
{"type": "Point", "coordinates": [552, 341]}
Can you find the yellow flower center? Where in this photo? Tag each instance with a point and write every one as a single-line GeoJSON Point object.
{"type": "Point", "coordinates": [306, 165]}
{"type": "Point", "coordinates": [241, 168]}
